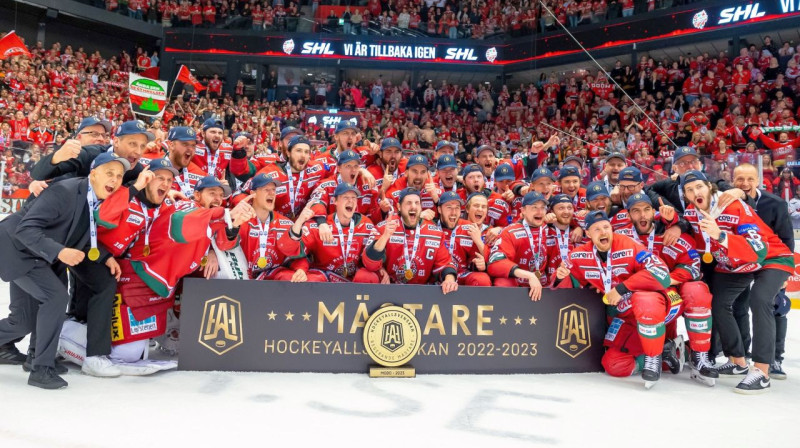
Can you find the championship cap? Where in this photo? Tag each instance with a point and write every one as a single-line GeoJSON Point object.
{"type": "Point", "coordinates": [568, 171]}
{"type": "Point", "coordinates": [262, 180]}
{"type": "Point", "coordinates": [417, 159]}
{"type": "Point", "coordinates": [107, 157]}
{"type": "Point", "coordinates": [343, 188]}
{"type": "Point", "coordinates": [212, 182]}
{"type": "Point", "coordinates": [297, 140]}
{"type": "Point", "coordinates": [408, 191]}
{"type": "Point", "coordinates": [682, 152]}
{"type": "Point", "coordinates": [533, 197]}
{"type": "Point", "coordinates": [692, 176]}
{"type": "Point", "coordinates": [289, 131]}
{"type": "Point", "coordinates": [182, 134]}
{"type": "Point", "coordinates": [595, 217]}
{"type": "Point", "coordinates": [345, 125]}
{"type": "Point", "coordinates": [446, 161]}
{"type": "Point", "coordinates": [448, 196]}
{"type": "Point", "coordinates": [91, 121]}
{"type": "Point", "coordinates": [637, 198]}
{"type": "Point", "coordinates": [390, 142]}
{"type": "Point", "coordinates": [134, 127]}
{"type": "Point", "coordinates": [163, 164]}
{"type": "Point", "coordinates": [504, 172]}
{"type": "Point", "coordinates": [213, 123]}
{"type": "Point", "coordinates": [596, 189]}
{"type": "Point", "coordinates": [560, 199]}
{"type": "Point", "coordinates": [347, 156]}
{"type": "Point", "coordinates": [630, 174]}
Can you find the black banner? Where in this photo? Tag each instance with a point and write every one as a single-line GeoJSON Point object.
{"type": "Point", "coordinates": [237, 325]}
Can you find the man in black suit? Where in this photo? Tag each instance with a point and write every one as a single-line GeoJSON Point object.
{"type": "Point", "coordinates": [58, 230]}
{"type": "Point", "coordinates": [775, 213]}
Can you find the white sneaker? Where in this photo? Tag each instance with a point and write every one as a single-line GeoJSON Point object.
{"type": "Point", "coordinates": [100, 366]}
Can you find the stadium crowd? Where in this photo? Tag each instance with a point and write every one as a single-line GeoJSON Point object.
{"type": "Point", "coordinates": [462, 19]}
{"type": "Point", "coordinates": [563, 183]}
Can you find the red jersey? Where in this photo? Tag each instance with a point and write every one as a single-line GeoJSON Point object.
{"type": "Point", "coordinates": [461, 247]}
{"type": "Point", "coordinates": [250, 235]}
{"type": "Point", "coordinates": [130, 218]}
{"type": "Point", "coordinates": [296, 188]}
{"type": "Point", "coordinates": [187, 179]}
{"type": "Point", "coordinates": [519, 246]}
{"type": "Point", "coordinates": [41, 136]}
{"type": "Point", "coordinates": [393, 193]}
{"type": "Point", "coordinates": [324, 203]}
{"type": "Point", "coordinates": [681, 258]}
{"type": "Point", "coordinates": [558, 248]}
{"type": "Point", "coordinates": [216, 162]}
{"type": "Point", "coordinates": [429, 261]}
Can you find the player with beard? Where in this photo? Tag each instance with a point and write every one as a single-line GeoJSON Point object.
{"type": "Point", "coordinates": [486, 158]}
{"type": "Point", "coordinates": [562, 233]}
{"type": "Point", "coordinates": [519, 256]}
{"type": "Point", "coordinates": [342, 259]}
{"type": "Point", "coordinates": [347, 137]}
{"type": "Point", "coordinates": [323, 201]}
{"type": "Point", "coordinates": [389, 164]}
{"type": "Point", "coordinates": [410, 248]}
{"type": "Point", "coordinates": [182, 141]}
{"type": "Point", "coordinates": [213, 155]}
{"type": "Point", "coordinates": [614, 163]}
{"type": "Point", "coordinates": [446, 173]}
{"type": "Point", "coordinates": [599, 199]}
{"type": "Point", "coordinates": [418, 178]}
{"type": "Point", "coordinates": [689, 295]}
{"type": "Point", "coordinates": [497, 214]}
{"type": "Point", "coordinates": [241, 166]}
{"type": "Point", "coordinates": [463, 241]}
{"type": "Point", "coordinates": [773, 211]}
{"type": "Point", "coordinates": [259, 236]}
{"type": "Point", "coordinates": [634, 283]}
{"type": "Point", "coordinates": [748, 254]}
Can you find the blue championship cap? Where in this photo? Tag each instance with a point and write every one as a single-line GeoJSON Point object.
{"type": "Point", "coordinates": [163, 164]}
{"type": "Point", "coordinates": [595, 217]}
{"type": "Point", "coordinates": [345, 125]}
{"type": "Point", "coordinates": [408, 191]}
{"type": "Point", "coordinates": [108, 157]}
{"type": "Point", "coordinates": [448, 196]}
{"type": "Point", "coordinates": [446, 161]}
{"type": "Point", "coordinates": [541, 172]}
{"type": "Point", "coordinates": [343, 188]}
{"type": "Point", "coordinates": [482, 148]}
{"type": "Point", "coordinates": [595, 190]}
{"type": "Point", "coordinates": [504, 172]}
{"type": "Point", "coordinates": [390, 142]}
{"type": "Point", "coordinates": [347, 156]}
{"type": "Point", "coordinates": [568, 171]}
{"type": "Point", "coordinates": [637, 198]}
{"type": "Point", "coordinates": [417, 159]}
{"type": "Point", "coordinates": [182, 134]}
{"type": "Point", "coordinates": [533, 197]}
{"type": "Point", "coordinates": [297, 140]}
{"type": "Point", "coordinates": [91, 121]}
{"type": "Point", "coordinates": [630, 174]}
{"type": "Point", "coordinates": [289, 131]}
{"type": "Point", "coordinates": [471, 168]}
{"type": "Point", "coordinates": [134, 127]}
{"type": "Point", "coordinates": [560, 199]}
{"type": "Point", "coordinates": [692, 176]}
{"type": "Point", "coordinates": [444, 144]}
{"type": "Point", "coordinates": [213, 123]}
{"type": "Point", "coordinates": [212, 182]}
{"type": "Point", "coordinates": [683, 151]}
{"type": "Point", "coordinates": [262, 180]}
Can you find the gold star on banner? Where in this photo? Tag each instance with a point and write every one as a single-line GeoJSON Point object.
{"type": "Point", "coordinates": [517, 321]}
{"type": "Point", "coordinates": [271, 315]}
{"type": "Point", "coordinates": [289, 315]}
{"type": "Point", "coordinates": [533, 320]}
{"type": "Point", "coordinates": [503, 320]}
{"type": "Point", "coordinates": [306, 316]}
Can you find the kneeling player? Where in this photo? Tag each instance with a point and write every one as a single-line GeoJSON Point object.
{"type": "Point", "coordinates": [336, 260]}
{"type": "Point", "coordinates": [694, 300]}
{"type": "Point", "coordinates": [634, 282]}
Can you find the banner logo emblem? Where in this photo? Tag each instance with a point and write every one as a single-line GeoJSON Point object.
{"type": "Point", "coordinates": [573, 330]}
{"type": "Point", "coordinates": [392, 336]}
{"type": "Point", "coordinates": [221, 330]}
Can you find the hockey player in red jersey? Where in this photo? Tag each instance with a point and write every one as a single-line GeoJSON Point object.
{"type": "Point", "coordinates": [689, 296]}
{"type": "Point", "coordinates": [182, 142]}
{"type": "Point", "coordinates": [323, 201]}
{"type": "Point", "coordinates": [497, 214]}
{"type": "Point", "coordinates": [389, 164]}
{"type": "Point", "coordinates": [634, 283]}
{"type": "Point", "coordinates": [410, 248]}
{"type": "Point", "coordinates": [463, 241]}
{"type": "Point", "coordinates": [446, 173]}
{"type": "Point", "coordinates": [748, 255]}
{"type": "Point", "coordinates": [562, 232]}
{"type": "Point", "coordinates": [213, 155]}
{"type": "Point", "coordinates": [569, 182]}
{"type": "Point", "coordinates": [418, 178]}
{"type": "Point", "coordinates": [519, 256]}
{"type": "Point", "coordinates": [342, 258]}
{"type": "Point", "coordinates": [598, 198]}
{"type": "Point", "coordinates": [259, 236]}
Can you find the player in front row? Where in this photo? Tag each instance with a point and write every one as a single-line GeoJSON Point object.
{"type": "Point", "coordinates": [463, 241]}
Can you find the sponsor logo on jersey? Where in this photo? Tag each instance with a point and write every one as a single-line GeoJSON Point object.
{"type": "Point", "coordinates": [581, 256]}
{"type": "Point", "coordinates": [731, 219]}
{"type": "Point", "coordinates": [432, 243]}
{"type": "Point", "coordinates": [519, 234]}
{"type": "Point", "coordinates": [396, 239]}
{"type": "Point", "coordinates": [622, 254]}
{"type": "Point", "coordinates": [619, 272]}
{"type": "Point", "coordinates": [592, 275]}
{"type": "Point", "coordinates": [466, 242]}
{"type": "Point", "coordinates": [746, 228]}
{"type": "Point", "coordinates": [493, 214]}
{"type": "Point", "coordinates": [281, 190]}
{"type": "Point", "coordinates": [427, 204]}
{"type": "Point", "coordinates": [640, 257]}
{"type": "Point", "coordinates": [135, 220]}
{"type": "Point", "coordinates": [334, 242]}
{"type": "Point", "coordinates": [669, 252]}
{"type": "Point", "coordinates": [684, 244]}
{"type": "Point", "coordinates": [366, 201]}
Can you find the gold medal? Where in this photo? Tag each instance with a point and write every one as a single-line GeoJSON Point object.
{"type": "Point", "coordinates": [262, 262]}
{"type": "Point", "coordinates": [707, 257]}
{"type": "Point", "coordinates": [146, 251]}
{"type": "Point", "coordinates": [409, 274]}
{"type": "Point", "coordinates": [344, 272]}
{"type": "Point", "coordinates": [605, 299]}
{"type": "Point", "coordinates": [204, 261]}
{"type": "Point", "coordinates": [94, 254]}
{"type": "Point", "coordinates": [538, 275]}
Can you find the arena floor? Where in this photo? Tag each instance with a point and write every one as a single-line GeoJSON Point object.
{"type": "Point", "coordinates": [196, 409]}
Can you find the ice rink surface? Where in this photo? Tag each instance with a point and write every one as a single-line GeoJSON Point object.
{"type": "Point", "coordinates": [224, 409]}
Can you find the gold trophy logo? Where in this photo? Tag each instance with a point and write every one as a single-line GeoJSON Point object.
{"type": "Point", "coordinates": [392, 337]}
{"type": "Point", "coordinates": [573, 330]}
{"type": "Point", "coordinates": [222, 325]}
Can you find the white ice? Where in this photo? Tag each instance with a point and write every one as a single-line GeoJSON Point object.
{"type": "Point", "coordinates": [200, 409]}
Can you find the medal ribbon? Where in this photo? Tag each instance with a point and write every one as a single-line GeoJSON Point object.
{"type": "Point", "coordinates": [292, 191]}
{"type": "Point", "coordinates": [263, 233]}
{"type": "Point", "coordinates": [406, 258]}
{"type": "Point", "coordinates": [345, 253]}
{"type": "Point", "coordinates": [605, 275]}
{"type": "Point", "coordinates": [91, 198]}
{"type": "Point", "coordinates": [563, 244]}
{"type": "Point", "coordinates": [537, 256]}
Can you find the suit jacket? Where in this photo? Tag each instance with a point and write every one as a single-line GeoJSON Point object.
{"type": "Point", "coordinates": [78, 167]}
{"type": "Point", "coordinates": [37, 234]}
{"type": "Point", "coordinates": [775, 213]}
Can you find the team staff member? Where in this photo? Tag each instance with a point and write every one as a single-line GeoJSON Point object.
{"type": "Point", "coordinates": [259, 236]}
{"type": "Point", "coordinates": [60, 227]}
{"type": "Point", "coordinates": [519, 257]}
{"type": "Point", "coordinates": [463, 241]}
{"type": "Point", "coordinates": [410, 248]}
{"type": "Point", "coordinates": [746, 251]}
{"type": "Point", "coordinates": [634, 283]}
{"type": "Point", "coordinates": [598, 198]}
{"type": "Point", "coordinates": [614, 164]}
{"type": "Point", "coordinates": [337, 261]}
{"type": "Point", "coordinates": [775, 214]}
{"type": "Point", "coordinates": [689, 295]}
